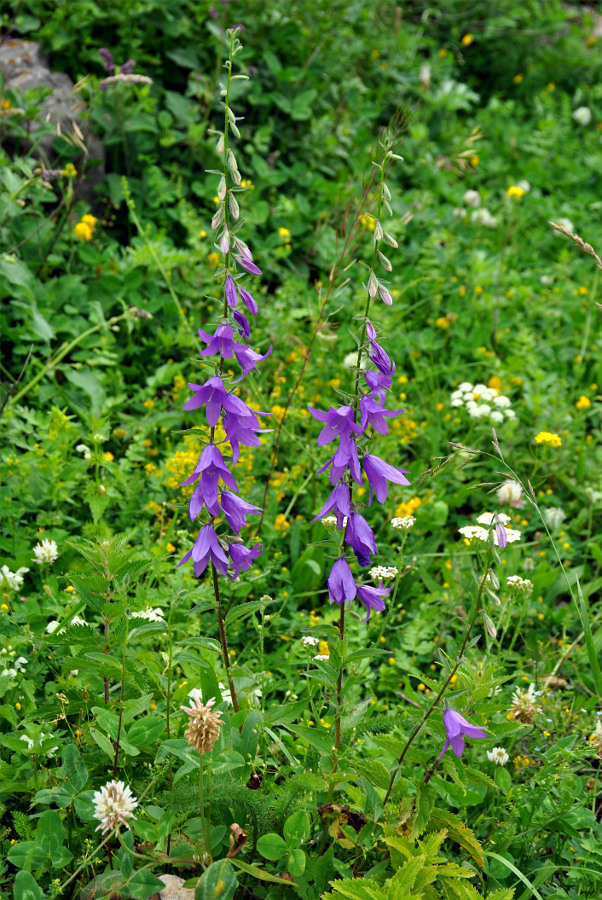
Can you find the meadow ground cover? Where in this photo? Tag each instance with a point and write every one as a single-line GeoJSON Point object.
{"type": "Point", "coordinates": [300, 482]}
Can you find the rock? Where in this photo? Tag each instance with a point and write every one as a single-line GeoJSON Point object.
{"type": "Point", "coordinates": [173, 889]}
{"type": "Point", "coordinates": [24, 66]}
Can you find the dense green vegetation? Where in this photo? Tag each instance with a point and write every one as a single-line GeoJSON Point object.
{"type": "Point", "coordinates": [317, 770]}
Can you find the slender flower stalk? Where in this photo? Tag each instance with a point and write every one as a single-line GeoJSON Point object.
{"type": "Point", "coordinates": [215, 493]}
{"type": "Point", "coordinates": [348, 426]}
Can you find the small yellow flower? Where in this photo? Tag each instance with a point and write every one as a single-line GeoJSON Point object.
{"type": "Point", "coordinates": [148, 404]}
{"type": "Point", "coordinates": [216, 199]}
{"type": "Point", "coordinates": [83, 232]}
{"type": "Point", "coordinates": [213, 259]}
{"type": "Point", "coordinates": [247, 183]}
{"type": "Point", "coordinates": [440, 407]}
{"type": "Point", "coordinates": [462, 290]}
{"type": "Point", "coordinates": [108, 456]}
{"type": "Point", "coordinates": [583, 402]}
{"type": "Point", "coordinates": [442, 322]}
{"type": "Point", "coordinates": [90, 220]}
{"type": "Point", "coordinates": [4, 607]}
{"type": "Point", "coordinates": [284, 232]}
{"type": "Point", "coordinates": [323, 648]}
{"type": "Point", "coordinates": [391, 660]}
{"type": "Point", "coordinates": [203, 234]}
{"type": "Point", "coordinates": [70, 171]}
{"type": "Point", "coordinates": [170, 548]}
{"type": "Point", "coordinates": [475, 160]}
{"type": "Point", "coordinates": [281, 523]}
{"type": "Point", "coordinates": [518, 78]}
{"type": "Point", "coordinates": [5, 104]}
{"type": "Point", "coordinates": [467, 40]}
{"type": "Point", "coordinates": [421, 687]}
{"type": "Point", "coordinates": [495, 382]}
{"type": "Point", "coordinates": [152, 706]}
{"type": "Point", "coordinates": [375, 54]}
{"type": "Point", "coordinates": [17, 706]}
{"type": "Point", "coordinates": [515, 191]}
{"type": "Point", "coordinates": [443, 52]}
{"type": "Point", "coordinates": [546, 437]}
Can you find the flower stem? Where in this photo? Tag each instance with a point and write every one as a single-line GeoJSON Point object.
{"type": "Point", "coordinates": [125, 640]}
{"type": "Point", "coordinates": [222, 635]}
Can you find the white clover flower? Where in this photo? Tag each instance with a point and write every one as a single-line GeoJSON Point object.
{"type": "Point", "coordinates": [52, 626]}
{"type": "Point", "coordinates": [554, 516]}
{"type": "Point", "coordinates": [510, 414]}
{"type": "Point", "coordinates": [488, 518]}
{"type": "Point", "coordinates": [113, 806]}
{"type": "Point", "coordinates": [482, 216]}
{"type": "Point", "coordinates": [403, 523]}
{"type": "Point", "coordinates": [498, 756]}
{"type": "Point", "coordinates": [525, 705]}
{"type": "Point", "coordinates": [151, 615]}
{"type": "Point", "coordinates": [528, 564]}
{"type": "Point", "coordinates": [510, 492]}
{"type": "Point", "coordinates": [582, 115]}
{"type": "Point", "coordinates": [87, 453]}
{"type": "Point", "coordinates": [472, 198]}
{"type": "Point", "coordinates": [45, 551]}
{"type": "Point", "coordinates": [350, 361]}
{"type": "Point", "coordinates": [308, 641]}
{"type": "Point", "coordinates": [497, 416]}
{"type": "Point", "coordinates": [520, 585]}
{"type": "Point", "coordinates": [502, 401]}
{"type": "Point", "coordinates": [12, 580]}
{"type": "Point", "coordinates": [459, 212]}
{"type": "Point", "coordinates": [593, 496]}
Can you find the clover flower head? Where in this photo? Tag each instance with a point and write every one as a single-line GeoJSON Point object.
{"type": "Point", "coordinates": [498, 756]}
{"type": "Point", "coordinates": [12, 580]}
{"type": "Point", "coordinates": [45, 551]}
{"type": "Point", "coordinates": [113, 806]}
{"type": "Point", "coordinates": [525, 705]}
{"type": "Point", "coordinates": [582, 115]}
{"type": "Point", "coordinates": [204, 725]}
{"type": "Point", "coordinates": [510, 492]}
{"type": "Point", "coordinates": [554, 516]}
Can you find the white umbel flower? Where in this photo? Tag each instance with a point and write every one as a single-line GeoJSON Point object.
{"type": "Point", "coordinates": [403, 523]}
{"type": "Point", "coordinates": [308, 641]}
{"type": "Point", "coordinates": [113, 806]}
{"type": "Point", "coordinates": [520, 585]}
{"type": "Point", "coordinates": [381, 573]}
{"type": "Point", "coordinates": [582, 115]}
{"type": "Point", "coordinates": [45, 551]}
{"type": "Point", "coordinates": [498, 756]}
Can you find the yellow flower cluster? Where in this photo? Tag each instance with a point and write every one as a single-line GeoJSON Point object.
{"type": "Point", "coordinates": [442, 322]}
{"type": "Point", "coordinates": [84, 229]}
{"type": "Point", "coordinates": [323, 648]}
{"type": "Point", "coordinates": [546, 437]}
{"type": "Point", "coordinates": [70, 171]}
{"type": "Point", "coordinates": [467, 40]}
{"type": "Point", "coordinates": [281, 523]}
{"type": "Point", "coordinates": [408, 507]}
{"type": "Point", "coordinates": [515, 191]}
{"type": "Point", "coordinates": [405, 429]}
{"type": "Point", "coordinates": [213, 260]}
{"type": "Point", "coordinates": [368, 221]}
{"type": "Point", "coordinates": [583, 402]}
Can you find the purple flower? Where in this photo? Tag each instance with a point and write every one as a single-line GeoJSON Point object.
{"type": "Point", "coordinates": [242, 557]}
{"type": "Point", "coordinates": [372, 597]}
{"type": "Point", "coordinates": [500, 532]}
{"type": "Point", "coordinates": [127, 67]}
{"type": "Point", "coordinates": [242, 430]}
{"type": "Point", "coordinates": [213, 12]}
{"type": "Point", "coordinates": [248, 301]}
{"type": "Point", "coordinates": [211, 467]}
{"type": "Point", "coordinates": [214, 396]}
{"type": "Point", "coordinates": [247, 265]}
{"type": "Point", "coordinates": [236, 510]}
{"type": "Point", "coordinates": [379, 473]}
{"type": "Point", "coordinates": [345, 457]}
{"type": "Point", "coordinates": [373, 413]}
{"type": "Point", "coordinates": [339, 502]}
{"type": "Point", "coordinates": [107, 60]}
{"type": "Point", "coordinates": [360, 538]}
{"type": "Point", "coordinates": [379, 384]}
{"type": "Point", "coordinates": [222, 343]}
{"type": "Point", "coordinates": [207, 549]}
{"type": "Point", "coordinates": [370, 330]}
{"type": "Point", "coordinates": [230, 289]}
{"type": "Point", "coordinates": [456, 726]}
{"type": "Point", "coordinates": [381, 359]}
{"type": "Point", "coordinates": [341, 585]}
{"type": "Point", "coordinates": [385, 296]}
{"type": "Point", "coordinates": [241, 320]}
{"type": "Point", "coordinates": [339, 423]}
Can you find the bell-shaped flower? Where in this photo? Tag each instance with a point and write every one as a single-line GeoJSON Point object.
{"type": "Point", "coordinates": [248, 301]}
{"type": "Point", "coordinates": [373, 413]}
{"type": "Point", "coordinates": [242, 557]}
{"type": "Point", "coordinates": [214, 397]}
{"type": "Point", "coordinates": [206, 549]}
{"type": "Point", "coordinates": [247, 265]}
{"type": "Point", "coordinates": [241, 320]}
{"type": "Point", "coordinates": [456, 726]}
{"type": "Point", "coordinates": [379, 473]}
{"type": "Point", "coordinates": [339, 503]}
{"type": "Point", "coordinates": [338, 423]}
{"type": "Point", "coordinates": [379, 384]}
{"type": "Point", "coordinates": [211, 467]}
{"type": "Point", "coordinates": [360, 538]}
{"type": "Point", "coordinates": [372, 597]}
{"type": "Point", "coordinates": [230, 291]}
{"type": "Point", "coordinates": [236, 510]}
{"type": "Point", "coordinates": [243, 430]}
{"type": "Point", "coordinates": [341, 584]}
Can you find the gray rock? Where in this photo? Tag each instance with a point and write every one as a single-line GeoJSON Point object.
{"type": "Point", "coordinates": [173, 889]}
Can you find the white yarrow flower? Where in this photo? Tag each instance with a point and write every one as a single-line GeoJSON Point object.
{"type": "Point", "coordinates": [113, 806]}
{"type": "Point", "coordinates": [308, 641]}
{"type": "Point", "coordinates": [582, 115]}
{"type": "Point", "coordinates": [488, 518]}
{"type": "Point", "coordinates": [45, 551]}
{"type": "Point", "coordinates": [403, 523]}
{"type": "Point", "coordinates": [498, 756]}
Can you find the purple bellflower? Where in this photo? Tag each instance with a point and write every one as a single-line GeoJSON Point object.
{"type": "Point", "coordinates": [456, 726]}
{"type": "Point", "coordinates": [341, 585]}
{"type": "Point", "coordinates": [244, 329]}
{"type": "Point", "coordinates": [222, 343]}
{"type": "Point", "coordinates": [360, 538]}
{"type": "Point", "coordinates": [214, 397]}
{"type": "Point", "coordinates": [378, 473]}
{"type": "Point", "coordinates": [372, 597]}
{"type": "Point", "coordinates": [374, 413]}
{"type": "Point", "coordinates": [339, 503]}
{"type": "Point", "coordinates": [230, 290]}
{"type": "Point", "coordinates": [236, 510]}
{"type": "Point", "coordinates": [206, 549]}
{"type": "Point", "coordinates": [107, 60]}
{"type": "Point", "coordinates": [242, 557]}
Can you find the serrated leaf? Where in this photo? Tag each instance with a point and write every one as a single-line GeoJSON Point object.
{"type": "Point", "coordinates": [458, 832]}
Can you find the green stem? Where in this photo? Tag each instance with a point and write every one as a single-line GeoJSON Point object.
{"type": "Point", "coordinates": [222, 635]}
{"type": "Point", "coordinates": [125, 640]}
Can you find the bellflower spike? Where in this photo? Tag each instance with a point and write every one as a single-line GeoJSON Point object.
{"type": "Point", "coordinates": [381, 360]}
{"type": "Point", "coordinates": [214, 396]}
{"type": "Point", "coordinates": [339, 503]}
{"type": "Point", "coordinates": [379, 473]}
{"type": "Point", "coordinates": [207, 549]}
{"type": "Point", "coordinates": [222, 343]}
{"type": "Point", "coordinates": [242, 430]}
{"type": "Point", "coordinates": [343, 458]}
{"type": "Point", "coordinates": [242, 557]}
{"type": "Point", "coordinates": [341, 586]}
{"type": "Point", "coordinates": [360, 538]}
{"type": "Point", "coordinates": [456, 726]}
{"type": "Point", "coordinates": [236, 510]}
{"type": "Point", "coordinates": [372, 597]}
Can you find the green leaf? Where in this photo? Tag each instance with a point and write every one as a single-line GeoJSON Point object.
{"type": "Point", "coordinates": [26, 887]}
{"type": "Point", "coordinates": [245, 609]}
{"type": "Point", "coordinates": [219, 882]}
{"type": "Point", "coordinates": [103, 742]}
{"type": "Point", "coordinates": [26, 855]}
{"type": "Point", "coordinates": [589, 642]}
{"type": "Point", "coordinates": [295, 863]}
{"type": "Point", "coordinates": [261, 874]}
{"type": "Point", "coordinates": [318, 739]}
{"type": "Point", "coordinates": [296, 829]}
{"type": "Point", "coordinates": [50, 832]}
{"type": "Point", "coordinates": [272, 846]}
{"type": "Point", "coordinates": [424, 806]}
{"type": "Point", "coordinates": [518, 874]}
{"type": "Point", "coordinates": [146, 731]}
{"type": "Point", "coordinates": [144, 884]}
{"type": "Point", "coordinates": [73, 769]}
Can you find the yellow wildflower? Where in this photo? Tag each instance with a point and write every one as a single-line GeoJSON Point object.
{"type": "Point", "coordinates": [495, 382]}
{"type": "Point", "coordinates": [442, 322]}
{"type": "Point", "coordinates": [90, 220]}
{"type": "Point", "coordinates": [284, 232]}
{"type": "Point", "coordinates": [5, 104]}
{"type": "Point", "coordinates": [518, 78]}
{"type": "Point", "coordinates": [148, 404]}
{"type": "Point", "coordinates": [583, 402]}
{"type": "Point", "coordinates": [443, 52]}
{"type": "Point", "coordinates": [546, 437]}
{"type": "Point", "coordinates": [213, 259]}
{"type": "Point", "coordinates": [70, 171]}
{"type": "Point", "coordinates": [281, 523]}
{"type": "Point", "coordinates": [83, 232]}
{"type": "Point", "coordinates": [515, 191]}
{"type": "Point", "coordinates": [475, 160]}
{"type": "Point", "coordinates": [467, 40]}
{"type": "Point", "coordinates": [323, 648]}
{"type": "Point", "coordinates": [408, 507]}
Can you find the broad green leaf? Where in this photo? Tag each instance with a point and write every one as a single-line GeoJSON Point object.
{"type": "Point", "coordinates": [73, 769]}
{"type": "Point", "coordinates": [272, 846]}
{"type": "Point", "coordinates": [318, 739]}
{"type": "Point", "coordinates": [50, 832]}
{"type": "Point", "coordinates": [144, 884]}
{"type": "Point", "coordinates": [296, 829]}
{"type": "Point", "coordinates": [295, 863]}
{"type": "Point", "coordinates": [219, 882]}
{"type": "Point", "coordinates": [146, 731]}
{"type": "Point", "coordinates": [26, 887]}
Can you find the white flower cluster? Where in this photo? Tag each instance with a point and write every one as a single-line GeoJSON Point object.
{"type": "Point", "coordinates": [381, 573]}
{"type": "Point", "coordinates": [152, 615]}
{"type": "Point", "coordinates": [582, 115]}
{"type": "Point", "coordinates": [593, 495]}
{"type": "Point", "coordinates": [43, 736]}
{"type": "Point", "coordinates": [308, 641]}
{"type": "Point", "coordinates": [511, 492]}
{"type": "Point", "coordinates": [481, 402]}
{"type": "Point", "coordinates": [520, 585]}
{"type": "Point", "coordinates": [113, 806]}
{"type": "Point", "coordinates": [330, 522]}
{"type": "Point", "coordinates": [486, 526]}
{"type": "Point", "coordinates": [12, 580]}
{"type": "Point", "coordinates": [9, 668]}
{"type": "Point", "coordinates": [554, 516]}
{"type": "Point", "coordinates": [498, 756]}
{"type": "Point", "coordinates": [45, 551]}
{"type": "Point", "coordinates": [403, 523]}
{"type": "Point", "coordinates": [482, 216]}
{"type": "Point", "coordinates": [54, 624]}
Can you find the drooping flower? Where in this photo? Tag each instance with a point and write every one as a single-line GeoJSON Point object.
{"type": "Point", "coordinates": [341, 584]}
{"type": "Point", "coordinates": [210, 467]}
{"type": "Point", "coordinates": [113, 806]}
{"type": "Point", "coordinates": [242, 557]}
{"type": "Point", "coordinates": [379, 473]}
{"type": "Point", "coordinates": [214, 397]}
{"type": "Point", "coordinates": [372, 597]}
{"type": "Point", "coordinates": [510, 492]}
{"type": "Point", "coordinates": [207, 549]}
{"type": "Point", "coordinates": [222, 343]}
{"type": "Point", "coordinates": [339, 502]}
{"type": "Point", "coordinates": [236, 510]}
{"type": "Point", "coordinates": [456, 727]}
{"type": "Point", "coordinates": [360, 538]}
